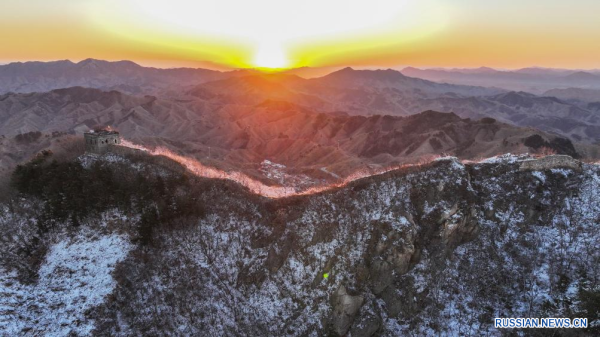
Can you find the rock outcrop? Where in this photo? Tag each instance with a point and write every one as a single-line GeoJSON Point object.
{"type": "Point", "coordinates": [345, 308]}
{"type": "Point", "coordinates": [550, 162]}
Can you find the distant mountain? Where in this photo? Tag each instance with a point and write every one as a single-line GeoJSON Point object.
{"type": "Point", "coordinates": [389, 78]}
{"type": "Point", "coordinates": [311, 72]}
{"type": "Point", "coordinates": [355, 92]}
{"type": "Point", "coordinates": [582, 76]}
{"type": "Point", "coordinates": [585, 95]}
{"type": "Point", "coordinates": [129, 77]}
{"type": "Point", "coordinates": [346, 91]}
{"type": "Point", "coordinates": [544, 71]}
{"type": "Point", "coordinates": [123, 75]}
{"type": "Point", "coordinates": [256, 88]}
{"type": "Point", "coordinates": [519, 108]}
{"type": "Point", "coordinates": [480, 70]}
{"type": "Point", "coordinates": [388, 92]}
{"type": "Point", "coordinates": [534, 80]}
{"type": "Point", "coordinates": [280, 131]}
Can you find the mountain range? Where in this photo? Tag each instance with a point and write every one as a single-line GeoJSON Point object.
{"type": "Point", "coordinates": [241, 134]}
{"type": "Point", "coordinates": [534, 80]}
{"type": "Point", "coordinates": [126, 76]}
{"type": "Point", "coordinates": [324, 127]}
{"type": "Point", "coordinates": [592, 96]}
{"type": "Point", "coordinates": [388, 92]}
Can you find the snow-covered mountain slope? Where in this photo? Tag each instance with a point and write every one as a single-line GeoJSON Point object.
{"type": "Point", "coordinates": [437, 249]}
{"type": "Point", "coordinates": [74, 278]}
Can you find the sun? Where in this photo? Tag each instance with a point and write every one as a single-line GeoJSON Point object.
{"type": "Point", "coordinates": [270, 55]}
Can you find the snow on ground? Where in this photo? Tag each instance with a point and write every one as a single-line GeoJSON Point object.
{"type": "Point", "coordinates": [293, 296]}
{"type": "Point", "coordinates": [272, 170]}
{"type": "Point", "coordinates": [540, 175]}
{"type": "Point", "coordinates": [75, 277]}
{"type": "Point", "coordinates": [507, 158]}
{"type": "Point", "coordinates": [456, 164]}
{"type": "Point", "coordinates": [565, 172]}
{"type": "Point", "coordinates": [277, 172]}
{"type": "Point", "coordinates": [88, 159]}
{"type": "Point", "coordinates": [324, 169]}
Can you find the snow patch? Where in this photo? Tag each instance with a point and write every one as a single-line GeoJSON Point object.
{"type": "Point", "coordinates": [507, 158]}
{"type": "Point", "coordinates": [564, 172]}
{"type": "Point", "coordinates": [75, 277]}
{"type": "Point", "coordinates": [277, 172]}
{"type": "Point", "coordinates": [540, 175]}
{"type": "Point", "coordinates": [456, 164]}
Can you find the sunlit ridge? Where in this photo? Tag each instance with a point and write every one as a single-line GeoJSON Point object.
{"type": "Point", "coordinates": [253, 185]}
{"type": "Point", "coordinates": [276, 192]}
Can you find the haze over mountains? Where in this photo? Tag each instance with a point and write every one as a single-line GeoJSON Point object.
{"type": "Point", "coordinates": [238, 134]}
{"type": "Point", "coordinates": [390, 93]}
{"type": "Point", "coordinates": [592, 96]}
{"type": "Point", "coordinates": [341, 122]}
{"type": "Point", "coordinates": [44, 76]}
{"type": "Point", "coordinates": [535, 80]}
{"type": "Point", "coordinates": [125, 76]}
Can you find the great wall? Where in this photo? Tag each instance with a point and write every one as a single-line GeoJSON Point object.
{"type": "Point", "coordinates": [112, 142]}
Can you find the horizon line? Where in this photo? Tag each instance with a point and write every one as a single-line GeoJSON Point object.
{"type": "Point", "coordinates": [222, 68]}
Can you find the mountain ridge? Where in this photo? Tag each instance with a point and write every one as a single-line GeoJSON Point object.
{"type": "Point", "coordinates": [403, 254]}
{"type": "Point", "coordinates": [283, 132]}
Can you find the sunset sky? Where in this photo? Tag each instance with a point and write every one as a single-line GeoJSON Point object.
{"type": "Point", "coordinates": [280, 33]}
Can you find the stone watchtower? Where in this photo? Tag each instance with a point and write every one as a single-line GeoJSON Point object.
{"type": "Point", "coordinates": [99, 141]}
